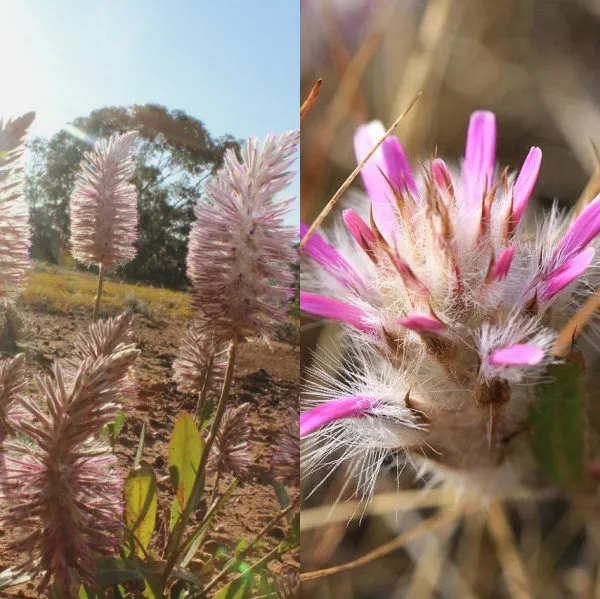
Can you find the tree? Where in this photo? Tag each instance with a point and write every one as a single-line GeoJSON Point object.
{"type": "Point", "coordinates": [174, 156]}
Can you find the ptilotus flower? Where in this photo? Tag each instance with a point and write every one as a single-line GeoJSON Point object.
{"type": "Point", "coordinates": [104, 215]}
{"type": "Point", "coordinates": [62, 489]}
{"type": "Point", "coordinates": [12, 383]}
{"type": "Point", "coordinates": [14, 214]}
{"type": "Point", "coordinates": [230, 453]}
{"type": "Point", "coordinates": [285, 461]}
{"type": "Point", "coordinates": [103, 339]}
{"type": "Point", "coordinates": [198, 356]}
{"type": "Point", "coordinates": [239, 247]}
{"type": "Point", "coordinates": [450, 310]}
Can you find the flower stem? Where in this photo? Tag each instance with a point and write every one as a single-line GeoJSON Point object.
{"type": "Point", "coordinates": [179, 531]}
{"type": "Point", "coordinates": [98, 292]}
{"type": "Point", "coordinates": [205, 387]}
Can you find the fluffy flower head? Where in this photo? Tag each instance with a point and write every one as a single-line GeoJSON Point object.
{"type": "Point", "coordinates": [450, 309]}
{"type": "Point", "coordinates": [104, 215]}
{"type": "Point", "coordinates": [239, 247]}
{"type": "Point", "coordinates": [14, 214]}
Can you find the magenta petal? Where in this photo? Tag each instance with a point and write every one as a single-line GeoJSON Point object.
{"type": "Point", "coordinates": [359, 229]}
{"type": "Point", "coordinates": [334, 310]}
{"type": "Point", "coordinates": [374, 174]}
{"type": "Point", "coordinates": [516, 355]}
{"type": "Point", "coordinates": [566, 274]}
{"type": "Point", "coordinates": [581, 232]}
{"type": "Point", "coordinates": [319, 416]}
{"type": "Point", "coordinates": [502, 264]}
{"type": "Point", "coordinates": [480, 156]}
{"type": "Point", "coordinates": [329, 258]}
{"type": "Point", "coordinates": [525, 182]}
{"type": "Point", "coordinates": [422, 323]}
{"type": "Point", "coordinates": [398, 169]}
{"type": "Point", "coordinates": [441, 174]}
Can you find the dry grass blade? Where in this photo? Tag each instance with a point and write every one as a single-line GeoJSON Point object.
{"type": "Point", "coordinates": [310, 100]}
{"type": "Point", "coordinates": [508, 553]}
{"type": "Point", "coordinates": [344, 187]}
{"type": "Point", "coordinates": [591, 190]}
{"type": "Point", "coordinates": [576, 324]}
{"type": "Point", "coordinates": [468, 551]}
{"type": "Point", "coordinates": [426, 526]}
{"type": "Point", "coordinates": [431, 564]}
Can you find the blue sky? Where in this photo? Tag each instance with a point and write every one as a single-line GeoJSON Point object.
{"type": "Point", "coordinates": [233, 64]}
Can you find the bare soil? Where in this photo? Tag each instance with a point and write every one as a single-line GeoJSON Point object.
{"type": "Point", "coordinates": [265, 376]}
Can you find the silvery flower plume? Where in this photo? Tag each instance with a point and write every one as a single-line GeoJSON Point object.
{"type": "Point", "coordinates": [285, 461]}
{"type": "Point", "coordinates": [61, 485]}
{"type": "Point", "coordinates": [12, 383]}
{"type": "Point", "coordinates": [450, 310]}
{"type": "Point", "coordinates": [198, 356]}
{"type": "Point", "coordinates": [239, 248]}
{"type": "Point", "coordinates": [104, 215]}
{"type": "Point", "coordinates": [231, 453]}
{"type": "Point", "coordinates": [14, 215]}
{"type": "Point", "coordinates": [105, 338]}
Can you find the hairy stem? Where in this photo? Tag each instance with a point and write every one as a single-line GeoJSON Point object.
{"type": "Point", "coordinates": [179, 531]}
{"type": "Point", "coordinates": [205, 387]}
{"type": "Point", "coordinates": [98, 292]}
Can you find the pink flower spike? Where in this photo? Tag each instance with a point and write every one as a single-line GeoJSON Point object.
{"type": "Point", "coordinates": [422, 323]}
{"type": "Point", "coordinates": [581, 232]}
{"type": "Point", "coordinates": [441, 174]}
{"type": "Point", "coordinates": [360, 230]}
{"type": "Point", "coordinates": [334, 310]}
{"type": "Point", "coordinates": [374, 174]}
{"type": "Point", "coordinates": [329, 258]}
{"type": "Point", "coordinates": [566, 274]}
{"type": "Point", "coordinates": [319, 416]}
{"type": "Point", "coordinates": [501, 265]}
{"type": "Point", "coordinates": [525, 182]}
{"type": "Point", "coordinates": [516, 355]}
{"type": "Point", "coordinates": [480, 156]}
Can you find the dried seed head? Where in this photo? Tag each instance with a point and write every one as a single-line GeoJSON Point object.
{"type": "Point", "coordinates": [450, 312]}
{"type": "Point", "coordinates": [285, 461]}
{"type": "Point", "coordinates": [239, 249]}
{"type": "Point", "coordinates": [104, 215]}
{"type": "Point", "coordinates": [198, 356]}
{"type": "Point", "coordinates": [288, 585]}
{"type": "Point", "coordinates": [231, 451]}
{"type": "Point", "coordinates": [14, 214]}
{"type": "Point", "coordinates": [62, 489]}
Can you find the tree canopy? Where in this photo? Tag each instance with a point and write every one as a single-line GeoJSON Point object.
{"type": "Point", "coordinates": [175, 154]}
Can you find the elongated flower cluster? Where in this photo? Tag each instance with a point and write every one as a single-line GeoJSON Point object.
{"type": "Point", "coordinates": [61, 486]}
{"type": "Point", "coordinates": [103, 339]}
{"type": "Point", "coordinates": [450, 311]}
{"type": "Point", "coordinates": [14, 215]}
{"type": "Point", "coordinates": [239, 249]}
{"type": "Point", "coordinates": [198, 357]}
{"type": "Point", "coordinates": [12, 383]}
{"type": "Point", "coordinates": [104, 215]}
{"type": "Point", "coordinates": [230, 453]}
{"type": "Point", "coordinates": [285, 461]}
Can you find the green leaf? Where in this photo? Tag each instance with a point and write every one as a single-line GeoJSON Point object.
{"type": "Point", "coordinates": [141, 504]}
{"type": "Point", "coordinates": [237, 589]}
{"type": "Point", "coordinates": [197, 538]}
{"type": "Point", "coordinates": [140, 448]}
{"type": "Point", "coordinates": [292, 537]}
{"type": "Point", "coordinates": [558, 426]}
{"type": "Point", "coordinates": [112, 571]}
{"type": "Point", "coordinates": [283, 498]}
{"type": "Point", "coordinates": [185, 450]}
{"type": "Point", "coordinates": [87, 593]}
